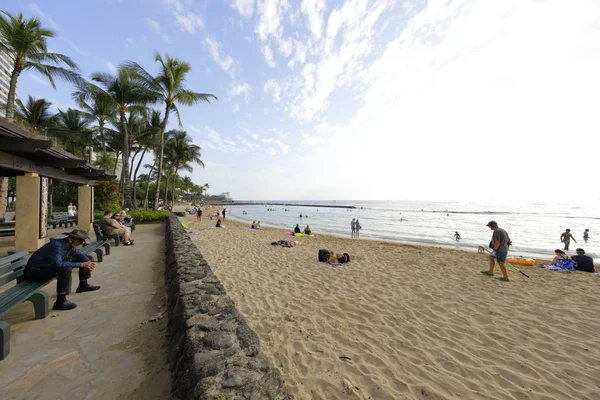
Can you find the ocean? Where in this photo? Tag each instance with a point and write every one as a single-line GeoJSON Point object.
{"type": "Point", "coordinates": [534, 228]}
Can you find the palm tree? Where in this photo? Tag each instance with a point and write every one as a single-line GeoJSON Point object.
{"type": "Point", "coordinates": [35, 114]}
{"type": "Point", "coordinates": [147, 141]}
{"type": "Point", "coordinates": [127, 95]}
{"type": "Point", "coordinates": [24, 40]}
{"type": "Point", "coordinates": [72, 128]}
{"type": "Point", "coordinates": [168, 87]}
{"type": "Point", "coordinates": [100, 109]}
{"type": "Point", "coordinates": [151, 173]}
{"type": "Point", "coordinates": [183, 153]}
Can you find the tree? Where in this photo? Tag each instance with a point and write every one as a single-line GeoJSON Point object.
{"type": "Point", "coordinates": [35, 115]}
{"type": "Point", "coordinates": [169, 87]}
{"type": "Point", "coordinates": [127, 95]}
{"type": "Point", "coordinates": [147, 141]}
{"type": "Point", "coordinates": [100, 109]}
{"type": "Point", "coordinates": [24, 40]}
{"type": "Point", "coordinates": [71, 128]}
{"type": "Point", "coordinates": [182, 153]}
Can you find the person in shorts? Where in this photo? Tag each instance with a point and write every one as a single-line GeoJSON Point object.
{"type": "Point", "coordinates": [566, 237]}
{"type": "Point", "coordinates": [499, 245]}
{"type": "Point", "coordinates": [111, 227]}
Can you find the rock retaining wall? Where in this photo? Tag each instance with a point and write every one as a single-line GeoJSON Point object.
{"type": "Point", "coordinates": [213, 354]}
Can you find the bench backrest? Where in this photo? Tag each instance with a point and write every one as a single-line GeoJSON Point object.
{"type": "Point", "coordinates": [97, 231]}
{"type": "Point", "coordinates": [60, 215]}
{"type": "Point", "coordinates": [12, 267]}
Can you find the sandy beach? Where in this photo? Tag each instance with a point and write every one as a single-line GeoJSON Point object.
{"type": "Point", "coordinates": [407, 322]}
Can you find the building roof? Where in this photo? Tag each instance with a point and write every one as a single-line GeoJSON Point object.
{"type": "Point", "coordinates": [23, 151]}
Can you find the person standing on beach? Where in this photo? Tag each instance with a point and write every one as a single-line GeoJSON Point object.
{"type": "Point", "coordinates": [224, 214]}
{"type": "Point", "coordinates": [357, 227]}
{"type": "Point", "coordinates": [586, 235]}
{"type": "Point", "coordinates": [566, 237]}
{"type": "Point", "coordinates": [456, 236]}
{"type": "Point", "coordinates": [353, 226]}
{"type": "Point", "coordinates": [499, 245]}
{"type": "Point", "coordinates": [199, 214]}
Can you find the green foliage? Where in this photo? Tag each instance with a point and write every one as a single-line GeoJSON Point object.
{"type": "Point", "coordinates": [142, 215]}
{"type": "Point", "coordinates": [63, 193]}
{"type": "Point", "coordinates": [106, 195]}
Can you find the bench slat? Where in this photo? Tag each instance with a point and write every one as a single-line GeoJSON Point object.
{"type": "Point", "coordinates": [17, 294]}
{"type": "Point", "coordinates": [13, 257]}
{"type": "Point", "coordinates": [11, 267]}
{"type": "Point", "coordinates": [12, 276]}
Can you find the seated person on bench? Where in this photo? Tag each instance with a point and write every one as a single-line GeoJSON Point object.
{"type": "Point", "coordinates": [124, 217]}
{"type": "Point", "coordinates": [57, 258]}
{"type": "Point", "coordinates": [111, 227]}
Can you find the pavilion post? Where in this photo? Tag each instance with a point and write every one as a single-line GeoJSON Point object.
{"type": "Point", "coordinates": [85, 207]}
{"type": "Point", "coordinates": [31, 212]}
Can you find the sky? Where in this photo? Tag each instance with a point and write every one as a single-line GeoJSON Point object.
{"type": "Point", "coordinates": [363, 99]}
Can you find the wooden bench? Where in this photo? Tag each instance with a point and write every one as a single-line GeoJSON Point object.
{"type": "Point", "coordinates": [101, 237]}
{"type": "Point", "coordinates": [96, 247]}
{"type": "Point", "coordinates": [11, 269]}
{"type": "Point", "coordinates": [7, 232]}
{"type": "Point", "coordinates": [60, 219]}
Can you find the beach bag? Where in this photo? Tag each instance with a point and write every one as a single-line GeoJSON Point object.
{"type": "Point", "coordinates": [345, 258]}
{"type": "Point", "coordinates": [324, 255]}
{"type": "Point", "coordinates": [569, 265]}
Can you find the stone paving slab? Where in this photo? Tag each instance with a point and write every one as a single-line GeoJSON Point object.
{"type": "Point", "coordinates": [105, 348]}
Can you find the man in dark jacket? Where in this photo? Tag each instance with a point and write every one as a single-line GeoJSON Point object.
{"type": "Point", "coordinates": [57, 258]}
{"type": "Point", "coordinates": [584, 263]}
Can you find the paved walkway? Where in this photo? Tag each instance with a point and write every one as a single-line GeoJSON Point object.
{"type": "Point", "coordinates": [105, 348]}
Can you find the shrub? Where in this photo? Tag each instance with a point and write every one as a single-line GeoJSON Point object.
{"type": "Point", "coordinates": [106, 195]}
{"type": "Point", "coordinates": [142, 215]}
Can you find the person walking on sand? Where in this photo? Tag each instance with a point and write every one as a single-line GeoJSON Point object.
{"type": "Point", "coordinates": [499, 245]}
{"type": "Point", "coordinates": [566, 237]}
{"type": "Point", "coordinates": [199, 214]}
{"type": "Point", "coordinates": [357, 227]}
{"type": "Point", "coordinates": [586, 235]}
{"type": "Point", "coordinates": [353, 226]}
{"type": "Point", "coordinates": [224, 210]}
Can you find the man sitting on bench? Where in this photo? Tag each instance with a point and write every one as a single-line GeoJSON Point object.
{"type": "Point", "coordinates": [112, 227]}
{"type": "Point", "coordinates": [57, 258]}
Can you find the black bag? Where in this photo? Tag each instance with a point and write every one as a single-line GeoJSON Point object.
{"type": "Point", "coordinates": [323, 255]}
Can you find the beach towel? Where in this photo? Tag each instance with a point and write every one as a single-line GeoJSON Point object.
{"type": "Point", "coordinates": [254, 229]}
{"type": "Point", "coordinates": [566, 265]}
{"type": "Point", "coordinates": [335, 264]}
{"type": "Point", "coordinates": [194, 233]}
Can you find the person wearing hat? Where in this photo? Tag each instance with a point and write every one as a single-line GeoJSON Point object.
{"type": "Point", "coordinates": [499, 245]}
{"type": "Point", "coordinates": [57, 258]}
{"type": "Point", "coordinates": [566, 237]}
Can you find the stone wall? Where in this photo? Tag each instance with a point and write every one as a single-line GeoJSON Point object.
{"type": "Point", "coordinates": [213, 354]}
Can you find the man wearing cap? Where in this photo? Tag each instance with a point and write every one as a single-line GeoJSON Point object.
{"type": "Point", "coordinates": [499, 246]}
{"type": "Point", "coordinates": [584, 263]}
{"type": "Point", "coordinates": [57, 258]}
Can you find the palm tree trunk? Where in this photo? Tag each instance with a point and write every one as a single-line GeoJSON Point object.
{"type": "Point", "coordinates": [167, 186]}
{"type": "Point", "coordinates": [12, 91]}
{"type": "Point", "coordinates": [161, 154]}
{"type": "Point", "coordinates": [116, 162]}
{"type": "Point", "coordinates": [10, 116]}
{"type": "Point", "coordinates": [101, 123]}
{"type": "Point", "coordinates": [133, 162]}
{"type": "Point", "coordinates": [148, 185]}
{"type": "Point", "coordinates": [135, 177]}
{"type": "Point", "coordinates": [174, 181]}
{"type": "Point", "coordinates": [126, 183]}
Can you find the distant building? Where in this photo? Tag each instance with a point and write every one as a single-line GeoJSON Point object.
{"type": "Point", "coordinates": [6, 66]}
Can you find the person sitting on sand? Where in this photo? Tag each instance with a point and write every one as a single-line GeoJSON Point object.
{"type": "Point", "coordinates": [307, 230]}
{"type": "Point", "coordinates": [218, 225]}
{"type": "Point", "coordinates": [456, 236]}
{"type": "Point", "coordinates": [584, 263]}
{"type": "Point", "coordinates": [257, 225]}
{"type": "Point", "coordinates": [340, 258]}
{"type": "Point", "coordinates": [253, 226]}
{"type": "Point", "coordinates": [297, 229]}
{"type": "Point", "coordinates": [287, 243]}
{"type": "Point", "coordinates": [559, 255]}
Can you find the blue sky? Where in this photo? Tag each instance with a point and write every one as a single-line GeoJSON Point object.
{"type": "Point", "coordinates": [362, 99]}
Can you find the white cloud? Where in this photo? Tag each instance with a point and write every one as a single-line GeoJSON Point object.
{"type": "Point", "coordinates": [129, 43]}
{"type": "Point", "coordinates": [214, 48]}
{"type": "Point", "coordinates": [241, 89]}
{"type": "Point", "coordinates": [244, 7]}
{"type": "Point", "coordinates": [270, 14]}
{"type": "Point", "coordinates": [274, 89]}
{"type": "Point", "coordinates": [313, 9]}
{"type": "Point", "coordinates": [36, 9]}
{"type": "Point", "coordinates": [155, 26]}
{"type": "Point", "coordinates": [111, 67]}
{"type": "Point", "coordinates": [236, 108]}
{"type": "Point", "coordinates": [174, 4]}
{"type": "Point", "coordinates": [277, 141]}
{"type": "Point", "coordinates": [268, 53]}
{"type": "Point", "coordinates": [213, 140]}
{"type": "Point", "coordinates": [189, 22]}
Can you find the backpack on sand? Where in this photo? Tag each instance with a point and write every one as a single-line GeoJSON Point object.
{"type": "Point", "coordinates": [323, 255]}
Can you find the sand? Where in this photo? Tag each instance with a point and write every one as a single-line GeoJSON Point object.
{"type": "Point", "coordinates": [408, 322]}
